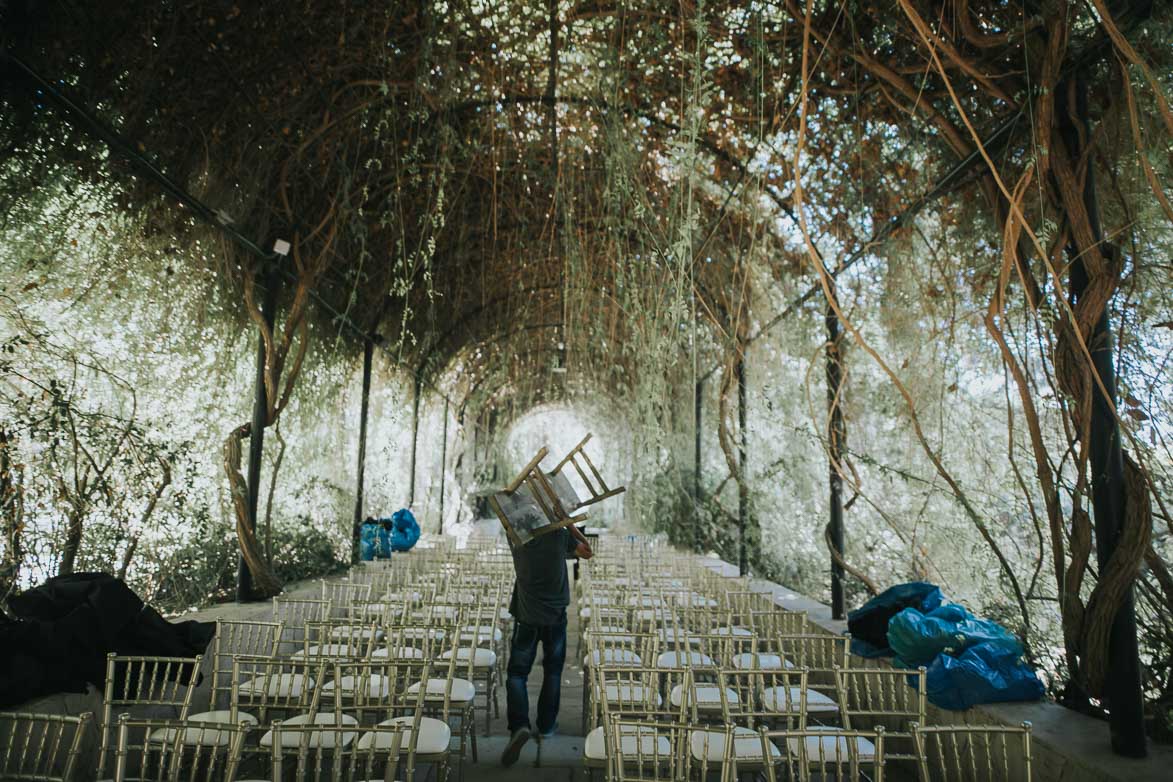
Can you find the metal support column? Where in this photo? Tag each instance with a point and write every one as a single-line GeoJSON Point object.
{"type": "Point", "coordinates": [256, 439]}
{"type": "Point", "coordinates": [415, 435]}
{"type": "Point", "coordinates": [836, 435]}
{"type": "Point", "coordinates": [1123, 696]}
{"type": "Point", "coordinates": [696, 466]}
{"type": "Point", "coordinates": [367, 355]}
{"type": "Point", "coordinates": [743, 484]}
{"type": "Point", "coordinates": [443, 464]}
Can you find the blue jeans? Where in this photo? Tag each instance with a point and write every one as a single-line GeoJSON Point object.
{"type": "Point", "coordinates": [522, 650]}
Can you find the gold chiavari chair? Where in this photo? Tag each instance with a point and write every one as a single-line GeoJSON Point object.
{"type": "Point", "coordinates": [143, 681]}
{"type": "Point", "coordinates": [41, 747]}
{"type": "Point", "coordinates": [973, 753]}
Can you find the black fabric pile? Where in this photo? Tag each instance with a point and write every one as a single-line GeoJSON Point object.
{"type": "Point", "coordinates": [65, 627]}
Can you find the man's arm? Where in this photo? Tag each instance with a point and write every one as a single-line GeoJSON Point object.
{"type": "Point", "coordinates": [576, 543]}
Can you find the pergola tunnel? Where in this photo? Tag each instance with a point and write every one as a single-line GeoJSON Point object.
{"type": "Point", "coordinates": [845, 294]}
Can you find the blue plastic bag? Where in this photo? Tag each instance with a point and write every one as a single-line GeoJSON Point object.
{"type": "Point", "coordinates": [916, 638]}
{"type": "Point", "coordinates": [983, 673]}
{"type": "Point", "coordinates": [405, 530]}
{"type": "Point", "coordinates": [868, 624]}
{"type": "Point", "coordinates": [374, 541]}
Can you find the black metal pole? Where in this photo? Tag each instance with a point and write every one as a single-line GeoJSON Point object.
{"type": "Point", "coordinates": [443, 465]}
{"type": "Point", "coordinates": [696, 466]}
{"type": "Point", "coordinates": [415, 432]}
{"type": "Point", "coordinates": [743, 484]}
{"type": "Point", "coordinates": [368, 353]}
{"type": "Point", "coordinates": [256, 439]}
{"type": "Point", "coordinates": [836, 435]}
{"type": "Point", "coordinates": [1123, 694]}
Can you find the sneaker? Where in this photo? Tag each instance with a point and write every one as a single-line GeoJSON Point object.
{"type": "Point", "coordinates": [549, 733]}
{"type": "Point", "coordinates": [517, 740]}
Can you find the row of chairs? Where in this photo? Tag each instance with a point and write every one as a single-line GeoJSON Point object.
{"type": "Point", "coordinates": [690, 673]}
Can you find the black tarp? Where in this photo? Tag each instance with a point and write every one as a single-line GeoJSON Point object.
{"type": "Point", "coordinates": [65, 627]}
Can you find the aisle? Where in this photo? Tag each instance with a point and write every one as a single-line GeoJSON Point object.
{"type": "Point", "coordinates": [562, 754]}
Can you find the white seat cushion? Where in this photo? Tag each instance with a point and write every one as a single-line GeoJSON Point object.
{"type": "Point", "coordinates": [280, 685]}
{"type": "Point", "coordinates": [504, 615]}
{"type": "Point", "coordinates": [326, 650]}
{"type": "Point", "coordinates": [420, 633]}
{"type": "Point", "coordinates": [735, 631]}
{"type": "Point", "coordinates": [831, 746]}
{"type": "Point", "coordinates": [708, 696]}
{"type": "Point", "coordinates": [710, 745]}
{"type": "Point", "coordinates": [650, 743]}
{"type": "Point", "coordinates": [377, 686]}
{"type": "Point", "coordinates": [347, 632]}
{"type": "Point", "coordinates": [649, 615]}
{"type": "Point", "coordinates": [481, 658]}
{"type": "Point", "coordinates": [316, 738]}
{"type": "Point", "coordinates": [764, 662]}
{"type": "Point", "coordinates": [435, 736]}
{"type": "Point", "coordinates": [462, 690]}
{"type": "Point", "coordinates": [631, 694]}
{"type": "Point", "coordinates": [402, 597]}
{"type": "Point", "coordinates": [612, 656]}
{"type": "Point", "coordinates": [483, 634]}
{"type": "Point", "coordinates": [672, 636]}
{"type": "Point", "coordinates": [398, 653]}
{"type": "Point", "coordinates": [684, 660]}
{"type": "Point", "coordinates": [786, 699]}
{"type": "Point", "coordinates": [206, 737]}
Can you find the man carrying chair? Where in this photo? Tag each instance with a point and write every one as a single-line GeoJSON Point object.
{"type": "Point", "coordinates": [541, 594]}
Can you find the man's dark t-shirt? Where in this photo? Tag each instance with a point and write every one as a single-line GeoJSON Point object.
{"type": "Point", "coordinates": [542, 590]}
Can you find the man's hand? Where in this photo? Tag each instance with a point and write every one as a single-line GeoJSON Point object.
{"type": "Point", "coordinates": [583, 550]}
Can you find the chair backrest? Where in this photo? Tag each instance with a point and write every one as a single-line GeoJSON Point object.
{"type": "Point", "coordinates": [820, 655]}
{"type": "Point", "coordinates": [895, 699]}
{"type": "Point", "coordinates": [293, 613]}
{"type": "Point", "coordinates": [622, 648]}
{"type": "Point", "coordinates": [971, 753]}
{"type": "Point", "coordinates": [769, 696]}
{"type": "Point", "coordinates": [260, 639]}
{"type": "Point", "coordinates": [343, 593]}
{"type": "Point", "coordinates": [339, 639]}
{"type": "Point", "coordinates": [342, 753]}
{"type": "Point", "coordinates": [41, 747]}
{"type": "Point", "coordinates": [648, 751]}
{"type": "Point", "coordinates": [779, 621]}
{"type": "Point", "coordinates": [177, 751]}
{"type": "Point", "coordinates": [144, 681]}
{"type": "Point", "coordinates": [261, 685]}
{"type": "Point", "coordinates": [639, 693]}
{"type": "Point", "coordinates": [826, 756]}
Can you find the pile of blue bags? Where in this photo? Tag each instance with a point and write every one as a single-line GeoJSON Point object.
{"type": "Point", "coordinates": [378, 538]}
{"type": "Point", "coordinates": [969, 660]}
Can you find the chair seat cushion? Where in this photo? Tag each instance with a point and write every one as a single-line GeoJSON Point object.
{"type": "Point", "coordinates": [483, 634]}
{"type": "Point", "coordinates": [735, 631]}
{"type": "Point", "coordinates": [674, 637]}
{"type": "Point", "coordinates": [710, 745]}
{"type": "Point", "coordinates": [281, 685]}
{"type": "Point", "coordinates": [352, 632]}
{"type": "Point", "coordinates": [684, 660]}
{"type": "Point", "coordinates": [462, 690]}
{"type": "Point", "coordinates": [612, 656]}
{"type": "Point", "coordinates": [631, 694]}
{"type": "Point", "coordinates": [326, 650]}
{"type": "Point", "coordinates": [787, 699]}
{"type": "Point", "coordinates": [434, 738]}
{"type": "Point", "coordinates": [831, 747]}
{"type": "Point", "coordinates": [764, 662]}
{"type": "Point", "coordinates": [398, 653]}
{"type": "Point", "coordinates": [647, 743]}
{"type": "Point", "coordinates": [377, 686]}
{"type": "Point", "coordinates": [481, 658]}
{"type": "Point", "coordinates": [316, 738]}
{"type": "Point", "coordinates": [708, 696]}
{"type": "Point", "coordinates": [201, 731]}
